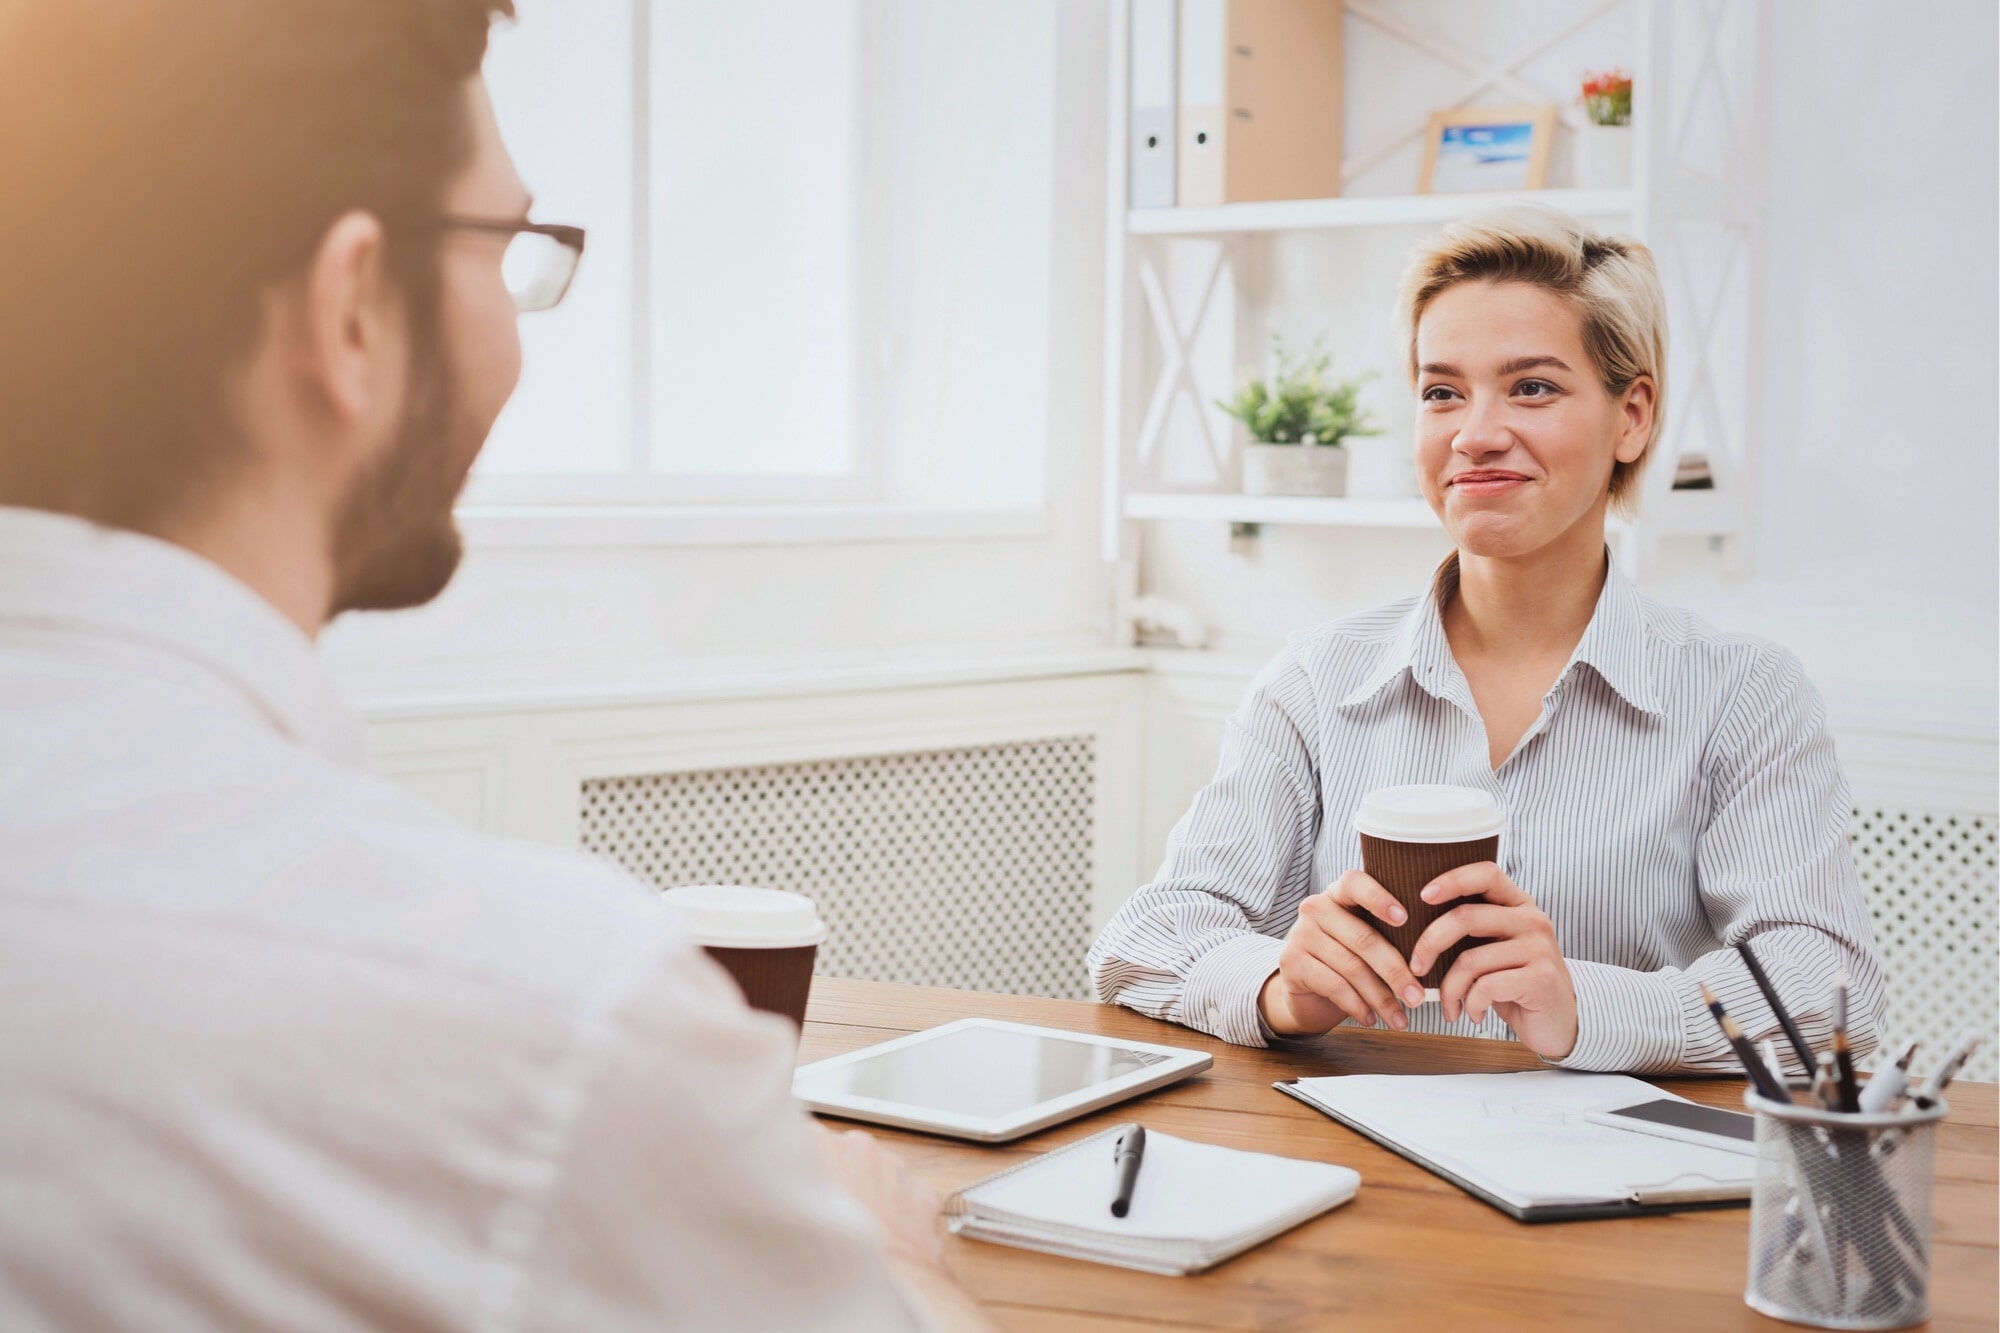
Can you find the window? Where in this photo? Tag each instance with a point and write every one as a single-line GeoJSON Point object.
{"type": "Point", "coordinates": [818, 267]}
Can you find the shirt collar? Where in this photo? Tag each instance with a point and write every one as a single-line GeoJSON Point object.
{"type": "Point", "coordinates": [1420, 647]}
{"type": "Point", "coordinates": [76, 577]}
{"type": "Point", "coordinates": [1613, 644]}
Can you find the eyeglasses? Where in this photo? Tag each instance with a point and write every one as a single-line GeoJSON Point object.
{"type": "Point", "coordinates": [541, 257]}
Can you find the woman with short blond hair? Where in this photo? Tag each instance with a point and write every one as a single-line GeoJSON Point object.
{"type": "Point", "coordinates": [1670, 789]}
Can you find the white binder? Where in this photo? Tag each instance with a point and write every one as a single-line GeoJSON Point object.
{"type": "Point", "coordinates": [1154, 56]}
{"type": "Point", "coordinates": [1203, 82]}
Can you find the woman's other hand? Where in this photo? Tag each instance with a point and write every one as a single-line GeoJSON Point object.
{"type": "Point", "coordinates": [1335, 964]}
{"type": "Point", "coordinates": [1518, 972]}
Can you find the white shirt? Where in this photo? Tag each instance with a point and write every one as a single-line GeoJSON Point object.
{"type": "Point", "coordinates": [282, 1049]}
{"type": "Point", "coordinates": [1677, 793]}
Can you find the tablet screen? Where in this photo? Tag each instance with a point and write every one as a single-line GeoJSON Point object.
{"type": "Point", "coordinates": [981, 1071]}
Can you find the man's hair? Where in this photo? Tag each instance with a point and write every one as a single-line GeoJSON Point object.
{"type": "Point", "coordinates": [1610, 282]}
{"type": "Point", "coordinates": [167, 161]}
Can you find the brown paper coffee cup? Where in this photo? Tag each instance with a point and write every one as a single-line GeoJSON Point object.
{"type": "Point", "coordinates": [778, 981]}
{"type": "Point", "coordinates": [767, 939]}
{"type": "Point", "coordinates": [1410, 836]}
{"type": "Point", "coordinates": [1404, 868]}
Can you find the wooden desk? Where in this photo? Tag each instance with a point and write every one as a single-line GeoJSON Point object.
{"type": "Point", "coordinates": [1410, 1248]}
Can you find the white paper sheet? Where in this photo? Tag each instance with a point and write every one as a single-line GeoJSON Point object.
{"type": "Point", "coordinates": [1523, 1136]}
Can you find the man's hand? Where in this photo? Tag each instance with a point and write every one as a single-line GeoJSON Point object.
{"type": "Point", "coordinates": [1519, 973]}
{"type": "Point", "coordinates": [1335, 965]}
{"type": "Point", "coordinates": [906, 1209]}
{"type": "Point", "coordinates": [903, 1206]}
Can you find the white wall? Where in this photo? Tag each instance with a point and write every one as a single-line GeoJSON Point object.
{"type": "Point", "coordinates": [1876, 552]}
{"type": "Point", "coordinates": [1877, 555]}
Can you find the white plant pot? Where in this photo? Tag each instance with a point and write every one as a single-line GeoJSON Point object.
{"type": "Point", "coordinates": [1294, 469]}
{"type": "Point", "coordinates": [1604, 157]}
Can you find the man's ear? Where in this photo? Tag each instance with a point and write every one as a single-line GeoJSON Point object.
{"type": "Point", "coordinates": [348, 318]}
{"type": "Point", "coordinates": [1635, 419]}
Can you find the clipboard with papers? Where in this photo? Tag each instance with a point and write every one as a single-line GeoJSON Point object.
{"type": "Point", "coordinates": [1522, 1143]}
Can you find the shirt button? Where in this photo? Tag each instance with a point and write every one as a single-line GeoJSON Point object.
{"type": "Point", "coordinates": [1214, 1016]}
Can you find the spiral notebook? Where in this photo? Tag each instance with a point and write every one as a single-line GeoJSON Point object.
{"type": "Point", "coordinates": [1521, 1142]}
{"type": "Point", "coordinates": [1194, 1205]}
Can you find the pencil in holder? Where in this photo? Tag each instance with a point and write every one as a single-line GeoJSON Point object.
{"type": "Point", "coordinates": [1840, 1219]}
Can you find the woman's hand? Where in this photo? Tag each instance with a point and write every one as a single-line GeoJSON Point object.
{"type": "Point", "coordinates": [1335, 965]}
{"type": "Point", "coordinates": [1518, 972]}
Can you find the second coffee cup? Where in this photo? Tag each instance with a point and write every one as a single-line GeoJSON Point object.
{"type": "Point", "coordinates": [1410, 836]}
{"type": "Point", "coordinates": [766, 939]}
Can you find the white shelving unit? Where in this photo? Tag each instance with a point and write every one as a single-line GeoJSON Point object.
{"type": "Point", "coordinates": [1694, 513]}
{"type": "Point", "coordinates": [1380, 211]}
{"type": "Point", "coordinates": [1238, 509]}
{"type": "Point", "coordinates": [1700, 113]}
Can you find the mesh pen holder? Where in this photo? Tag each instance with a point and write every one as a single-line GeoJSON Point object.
{"type": "Point", "coordinates": [1840, 1220]}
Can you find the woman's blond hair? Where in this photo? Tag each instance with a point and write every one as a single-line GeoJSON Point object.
{"type": "Point", "coordinates": [1611, 283]}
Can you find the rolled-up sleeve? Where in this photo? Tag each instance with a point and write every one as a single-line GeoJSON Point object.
{"type": "Point", "coordinates": [1774, 868]}
{"type": "Point", "coordinates": [1196, 945]}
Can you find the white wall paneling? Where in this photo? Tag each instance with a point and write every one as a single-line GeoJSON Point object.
{"type": "Point", "coordinates": [529, 763]}
{"type": "Point", "coordinates": [968, 867]}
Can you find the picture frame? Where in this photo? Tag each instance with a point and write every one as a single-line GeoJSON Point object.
{"type": "Point", "coordinates": [1486, 148]}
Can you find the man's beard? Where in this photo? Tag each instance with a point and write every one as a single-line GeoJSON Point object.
{"type": "Point", "coordinates": [394, 543]}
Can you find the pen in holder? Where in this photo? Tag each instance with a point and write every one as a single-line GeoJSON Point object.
{"type": "Point", "coordinates": [1840, 1220]}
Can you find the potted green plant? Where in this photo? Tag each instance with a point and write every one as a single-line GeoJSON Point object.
{"type": "Point", "coordinates": [1604, 144]}
{"type": "Point", "coordinates": [1297, 419]}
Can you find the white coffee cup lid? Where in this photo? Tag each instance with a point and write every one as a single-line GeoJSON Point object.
{"type": "Point", "coordinates": [1429, 812]}
{"type": "Point", "coordinates": [737, 916]}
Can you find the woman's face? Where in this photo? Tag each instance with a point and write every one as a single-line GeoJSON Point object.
{"type": "Point", "coordinates": [1516, 436]}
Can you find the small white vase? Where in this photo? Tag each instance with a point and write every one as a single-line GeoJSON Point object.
{"type": "Point", "coordinates": [1604, 157]}
{"type": "Point", "coordinates": [1294, 469]}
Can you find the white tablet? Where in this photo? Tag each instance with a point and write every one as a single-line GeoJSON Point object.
{"type": "Point", "coordinates": [989, 1081]}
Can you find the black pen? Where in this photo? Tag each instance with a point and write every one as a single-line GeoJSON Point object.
{"type": "Point", "coordinates": [1760, 1078]}
{"type": "Point", "coordinates": [1843, 1054]}
{"type": "Point", "coordinates": [1792, 1033]}
{"type": "Point", "coordinates": [1130, 1152]}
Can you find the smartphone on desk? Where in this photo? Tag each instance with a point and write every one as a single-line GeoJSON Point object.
{"type": "Point", "coordinates": [1689, 1122]}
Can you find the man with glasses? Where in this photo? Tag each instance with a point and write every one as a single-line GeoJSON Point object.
{"type": "Point", "coordinates": [282, 1049]}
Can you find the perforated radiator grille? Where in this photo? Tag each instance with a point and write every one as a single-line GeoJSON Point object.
{"type": "Point", "coordinates": [1931, 879]}
{"type": "Point", "coordinates": [966, 868]}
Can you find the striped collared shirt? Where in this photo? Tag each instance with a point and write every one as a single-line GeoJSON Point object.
{"type": "Point", "coordinates": [1678, 793]}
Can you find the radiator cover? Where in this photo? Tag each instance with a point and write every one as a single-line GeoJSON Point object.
{"type": "Point", "coordinates": [1930, 878]}
{"type": "Point", "coordinates": [968, 868]}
